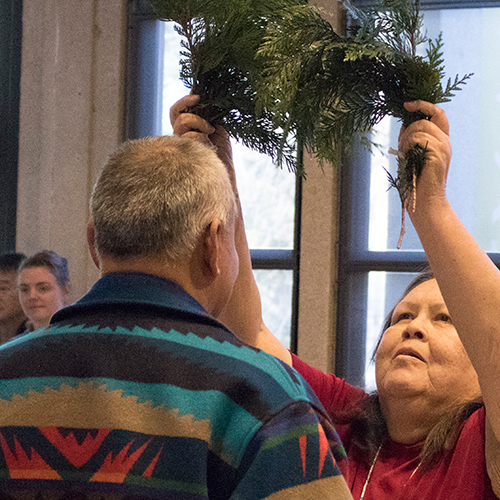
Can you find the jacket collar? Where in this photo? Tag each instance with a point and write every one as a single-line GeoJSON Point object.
{"type": "Point", "coordinates": [144, 288]}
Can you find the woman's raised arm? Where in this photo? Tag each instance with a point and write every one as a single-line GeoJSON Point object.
{"type": "Point", "coordinates": [467, 278]}
{"type": "Point", "coordinates": [243, 313]}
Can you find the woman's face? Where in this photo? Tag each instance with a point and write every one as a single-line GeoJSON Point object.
{"type": "Point", "coordinates": [40, 295]}
{"type": "Point", "coordinates": [421, 353]}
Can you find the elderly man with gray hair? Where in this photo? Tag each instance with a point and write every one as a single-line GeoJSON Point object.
{"type": "Point", "coordinates": [137, 391]}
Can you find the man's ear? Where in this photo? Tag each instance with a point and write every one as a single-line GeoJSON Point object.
{"type": "Point", "coordinates": [213, 250]}
{"type": "Point", "coordinates": [91, 244]}
{"type": "Point", "coordinates": [205, 263]}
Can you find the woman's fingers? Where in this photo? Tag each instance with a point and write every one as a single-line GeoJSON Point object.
{"type": "Point", "coordinates": [188, 124]}
{"type": "Point", "coordinates": [182, 106]}
{"type": "Point", "coordinates": [423, 132]}
{"type": "Point", "coordinates": [435, 114]}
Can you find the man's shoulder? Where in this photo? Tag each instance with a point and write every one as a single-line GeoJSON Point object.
{"type": "Point", "coordinates": [188, 328]}
{"type": "Point", "coordinates": [156, 340]}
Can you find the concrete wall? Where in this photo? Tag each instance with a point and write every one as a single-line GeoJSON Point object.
{"type": "Point", "coordinates": [71, 117]}
{"type": "Point", "coordinates": [319, 251]}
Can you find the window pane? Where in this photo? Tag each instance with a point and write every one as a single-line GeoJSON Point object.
{"type": "Point", "coordinates": [173, 88]}
{"type": "Point", "coordinates": [267, 193]}
{"type": "Point", "coordinates": [268, 199]}
{"type": "Point", "coordinates": [276, 291]}
{"type": "Point", "coordinates": [384, 290]}
{"type": "Point", "coordinates": [474, 115]}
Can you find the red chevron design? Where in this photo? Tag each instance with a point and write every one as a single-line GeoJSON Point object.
{"type": "Point", "coordinates": [323, 448]}
{"type": "Point", "coordinates": [114, 470]}
{"type": "Point", "coordinates": [149, 471]}
{"type": "Point", "coordinates": [23, 467]}
{"type": "Point", "coordinates": [303, 452]}
{"type": "Point", "coordinates": [77, 454]}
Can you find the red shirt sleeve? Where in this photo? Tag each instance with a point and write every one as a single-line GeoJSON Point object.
{"type": "Point", "coordinates": [336, 395]}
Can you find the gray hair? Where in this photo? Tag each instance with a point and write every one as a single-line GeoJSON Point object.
{"type": "Point", "coordinates": [155, 196]}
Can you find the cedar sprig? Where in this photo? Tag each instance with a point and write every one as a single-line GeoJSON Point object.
{"type": "Point", "coordinates": [332, 88]}
{"type": "Point", "coordinates": [219, 45]}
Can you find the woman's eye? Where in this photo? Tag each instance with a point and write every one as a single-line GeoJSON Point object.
{"type": "Point", "coordinates": [401, 317]}
{"type": "Point", "coordinates": [444, 317]}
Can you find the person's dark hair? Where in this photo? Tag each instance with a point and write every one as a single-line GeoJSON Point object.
{"type": "Point", "coordinates": [11, 261]}
{"type": "Point", "coordinates": [367, 425]}
{"type": "Point", "coordinates": [56, 264]}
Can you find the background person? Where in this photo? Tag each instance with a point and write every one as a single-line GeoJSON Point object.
{"type": "Point", "coordinates": [12, 317]}
{"type": "Point", "coordinates": [44, 287]}
{"type": "Point", "coordinates": [426, 434]}
{"type": "Point", "coordinates": [136, 391]}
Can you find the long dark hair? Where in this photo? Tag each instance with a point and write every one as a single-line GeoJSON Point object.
{"type": "Point", "coordinates": [367, 425]}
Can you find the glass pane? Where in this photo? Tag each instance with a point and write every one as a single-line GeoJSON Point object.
{"type": "Point", "coordinates": [268, 199]}
{"type": "Point", "coordinates": [267, 193]}
{"type": "Point", "coordinates": [384, 290]}
{"type": "Point", "coordinates": [275, 287]}
{"type": "Point", "coordinates": [474, 115]}
{"type": "Point", "coordinates": [173, 88]}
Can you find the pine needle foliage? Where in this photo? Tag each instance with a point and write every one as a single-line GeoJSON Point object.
{"type": "Point", "coordinates": [220, 40]}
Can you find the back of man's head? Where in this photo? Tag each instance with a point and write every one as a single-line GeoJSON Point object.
{"type": "Point", "coordinates": [11, 261]}
{"type": "Point", "coordinates": [155, 196]}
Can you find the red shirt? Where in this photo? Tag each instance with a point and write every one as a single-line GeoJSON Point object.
{"type": "Point", "coordinates": [460, 475]}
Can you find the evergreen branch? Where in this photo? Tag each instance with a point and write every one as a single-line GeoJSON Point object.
{"type": "Point", "coordinates": [219, 45]}
{"type": "Point", "coordinates": [331, 88]}
{"type": "Point", "coordinates": [270, 71]}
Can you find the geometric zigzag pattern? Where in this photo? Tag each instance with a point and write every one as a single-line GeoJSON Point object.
{"type": "Point", "coordinates": [183, 410]}
{"type": "Point", "coordinates": [108, 457]}
{"type": "Point", "coordinates": [91, 455]}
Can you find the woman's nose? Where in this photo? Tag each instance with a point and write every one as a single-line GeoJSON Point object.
{"type": "Point", "coordinates": [416, 329]}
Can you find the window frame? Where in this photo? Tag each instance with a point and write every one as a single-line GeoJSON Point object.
{"type": "Point", "coordinates": [355, 260]}
{"type": "Point", "coordinates": [10, 91]}
{"type": "Point", "coordinates": [437, 4]}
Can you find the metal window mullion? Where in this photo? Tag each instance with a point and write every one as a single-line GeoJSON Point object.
{"type": "Point", "coordinates": [143, 102]}
{"type": "Point", "coordinates": [10, 82]}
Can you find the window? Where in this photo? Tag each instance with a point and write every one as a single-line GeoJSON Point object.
{"type": "Point", "coordinates": [10, 75]}
{"type": "Point", "coordinates": [267, 194]}
{"type": "Point", "coordinates": [373, 273]}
